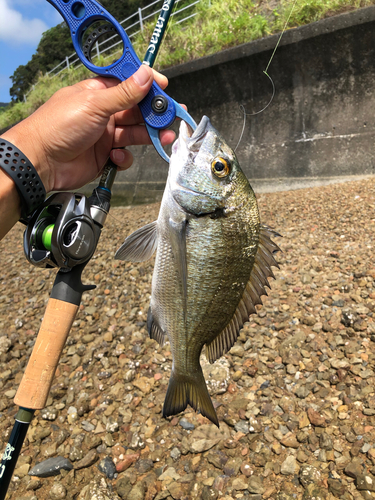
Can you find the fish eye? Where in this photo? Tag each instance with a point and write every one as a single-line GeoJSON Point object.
{"type": "Point", "coordinates": [220, 167]}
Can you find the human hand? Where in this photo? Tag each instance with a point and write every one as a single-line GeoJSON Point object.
{"type": "Point", "coordinates": [70, 137]}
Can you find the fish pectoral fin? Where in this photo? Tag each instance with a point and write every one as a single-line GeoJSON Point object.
{"type": "Point", "coordinates": [178, 244]}
{"type": "Point", "coordinates": [255, 288]}
{"type": "Point", "coordinates": [140, 245]}
{"type": "Point", "coordinates": [192, 390]}
{"type": "Point", "coordinates": [154, 330]}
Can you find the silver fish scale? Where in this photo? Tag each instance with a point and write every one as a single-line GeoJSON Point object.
{"type": "Point", "coordinates": [164, 291]}
{"type": "Point", "coordinates": [212, 263]}
{"type": "Point", "coordinates": [217, 273]}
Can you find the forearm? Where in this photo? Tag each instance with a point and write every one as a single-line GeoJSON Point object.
{"type": "Point", "coordinates": [26, 138]}
{"type": "Point", "coordinates": [19, 188]}
{"type": "Point", "coordinates": [10, 205]}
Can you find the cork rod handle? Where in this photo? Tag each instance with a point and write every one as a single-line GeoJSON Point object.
{"type": "Point", "coordinates": [37, 379]}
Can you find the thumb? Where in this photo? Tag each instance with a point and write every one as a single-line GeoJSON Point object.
{"type": "Point", "coordinates": [128, 93]}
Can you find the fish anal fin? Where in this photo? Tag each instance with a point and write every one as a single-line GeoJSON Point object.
{"type": "Point", "coordinates": [154, 330]}
{"type": "Point", "coordinates": [140, 245]}
{"type": "Point", "coordinates": [186, 390]}
{"type": "Point", "coordinates": [251, 296]}
{"type": "Point", "coordinates": [224, 341]}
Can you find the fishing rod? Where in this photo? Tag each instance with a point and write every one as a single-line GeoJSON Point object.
{"type": "Point", "coordinates": [64, 231]}
{"type": "Point", "coordinates": [158, 33]}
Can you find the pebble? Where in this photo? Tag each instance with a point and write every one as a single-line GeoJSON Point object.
{"type": "Point", "coordinates": [203, 445]}
{"type": "Point", "coordinates": [22, 470]}
{"type": "Point", "coordinates": [354, 469]}
{"type": "Point", "coordinates": [289, 466]}
{"type": "Point", "coordinates": [123, 486]}
{"type": "Point", "coordinates": [126, 462]}
{"type": "Point", "coordinates": [87, 426]}
{"type": "Point", "coordinates": [309, 475]}
{"type": "Point", "coordinates": [57, 492]}
{"type": "Point", "coordinates": [175, 453]}
{"type": "Point", "coordinates": [290, 441]}
{"type": "Point", "coordinates": [242, 426]}
{"type": "Point", "coordinates": [144, 465]}
{"type": "Point", "coordinates": [169, 473]}
{"type": "Point", "coordinates": [107, 467]}
{"type": "Point", "coordinates": [33, 484]}
{"type": "Point", "coordinates": [365, 482]}
{"type": "Point", "coordinates": [294, 396]}
{"type": "Point", "coordinates": [314, 492]}
{"type": "Point", "coordinates": [144, 384]}
{"type": "Point", "coordinates": [316, 418]}
{"type": "Point", "coordinates": [95, 490]}
{"type": "Point", "coordinates": [137, 492]}
{"type": "Point", "coordinates": [186, 425]}
{"type": "Point", "coordinates": [239, 484]}
{"type": "Point", "coordinates": [51, 467]}
{"type": "Point", "coordinates": [49, 414]}
{"type": "Point", "coordinates": [89, 459]}
{"type": "Point", "coordinates": [255, 485]}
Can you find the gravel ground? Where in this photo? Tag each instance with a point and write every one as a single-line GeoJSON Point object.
{"type": "Point", "coordinates": [295, 396]}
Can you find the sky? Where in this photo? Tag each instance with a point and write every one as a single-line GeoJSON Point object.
{"type": "Point", "coordinates": [22, 23]}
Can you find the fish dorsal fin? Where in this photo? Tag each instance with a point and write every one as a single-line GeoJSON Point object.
{"type": "Point", "coordinates": [140, 245]}
{"type": "Point", "coordinates": [154, 330]}
{"type": "Point", "coordinates": [255, 287]}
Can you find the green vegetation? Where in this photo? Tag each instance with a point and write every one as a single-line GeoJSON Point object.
{"type": "Point", "coordinates": [219, 24]}
{"type": "Point", "coordinates": [47, 86]}
{"type": "Point", "coordinates": [52, 49]}
{"type": "Point", "coordinates": [56, 44]}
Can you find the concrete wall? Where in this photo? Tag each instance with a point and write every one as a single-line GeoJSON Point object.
{"type": "Point", "coordinates": [320, 125]}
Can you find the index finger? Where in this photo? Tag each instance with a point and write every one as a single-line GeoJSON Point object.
{"type": "Point", "coordinates": [160, 79]}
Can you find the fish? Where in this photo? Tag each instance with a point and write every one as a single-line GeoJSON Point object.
{"type": "Point", "coordinates": [213, 261]}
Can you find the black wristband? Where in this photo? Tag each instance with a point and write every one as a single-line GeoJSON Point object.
{"type": "Point", "coordinates": [20, 169]}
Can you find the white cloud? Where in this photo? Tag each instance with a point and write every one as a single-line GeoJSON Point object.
{"type": "Point", "coordinates": [16, 29]}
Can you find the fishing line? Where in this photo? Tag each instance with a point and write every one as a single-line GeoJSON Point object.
{"type": "Point", "coordinates": [109, 213]}
{"type": "Point", "coordinates": [242, 107]}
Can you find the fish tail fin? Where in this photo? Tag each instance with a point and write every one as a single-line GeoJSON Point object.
{"type": "Point", "coordinates": [184, 390]}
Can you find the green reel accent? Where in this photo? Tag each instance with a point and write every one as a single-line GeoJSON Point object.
{"type": "Point", "coordinates": [47, 236]}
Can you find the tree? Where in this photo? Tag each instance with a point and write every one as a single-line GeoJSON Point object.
{"type": "Point", "coordinates": [56, 44]}
{"type": "Point", "coordinates": [22, 79]}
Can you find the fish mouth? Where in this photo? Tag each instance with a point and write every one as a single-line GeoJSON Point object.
{"type": "Point", "coordinates": [193, 201]}
{"type": "Point", "coordinates": [194, 138]}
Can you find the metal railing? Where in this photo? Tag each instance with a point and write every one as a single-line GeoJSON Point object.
{"type": "Point", "coordinates": [133, 25]}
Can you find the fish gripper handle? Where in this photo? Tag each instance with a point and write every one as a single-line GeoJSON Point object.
{"type": "Point", "coordinates": [79, 16]}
